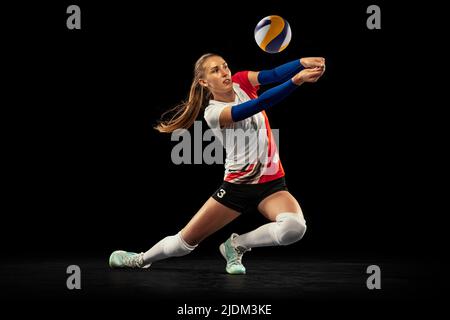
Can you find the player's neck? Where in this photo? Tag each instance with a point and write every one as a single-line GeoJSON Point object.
{"type": "Point", "coordinates": [225, 96]}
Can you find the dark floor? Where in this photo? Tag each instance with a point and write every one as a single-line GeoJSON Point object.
{"type": "Point", "coordinates": [283, 281]}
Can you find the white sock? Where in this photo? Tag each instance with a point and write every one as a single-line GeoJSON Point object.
{"type": "Point", "coordinates": [171, 246]}
{"type": "Point", "coordinates": [288, 228]}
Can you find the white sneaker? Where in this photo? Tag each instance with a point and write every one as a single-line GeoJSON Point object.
{"type": "Point", "coordinates": [124, 259]}
{"type": "Point", "coordinates": [233, 256]}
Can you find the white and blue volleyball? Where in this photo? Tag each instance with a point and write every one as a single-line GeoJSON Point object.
{"type": "Point", "coordinates": [273, 34]}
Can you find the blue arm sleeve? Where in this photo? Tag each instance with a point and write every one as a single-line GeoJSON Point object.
{"type": "Point", "coordinates": [281, 73]}
{"type": "Point", "coordinates": [264, 101]}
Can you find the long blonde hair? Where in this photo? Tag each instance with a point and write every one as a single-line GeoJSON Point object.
{"type": "Point", "coordinates": [184, 114]}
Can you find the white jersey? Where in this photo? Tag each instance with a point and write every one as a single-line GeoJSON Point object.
{"type": "Point", "coordinates": [251, 152]}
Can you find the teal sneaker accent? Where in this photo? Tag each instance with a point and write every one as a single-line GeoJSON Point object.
{"type": "Point", "coordinates": [124, 259]}
{"type": "Point", "coordinates": [233, 256]}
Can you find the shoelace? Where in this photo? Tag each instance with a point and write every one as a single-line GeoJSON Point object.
{"type": "Point", "coordinates": [133, 260]}
{"type": "Point", "coordinates": [238, 258]}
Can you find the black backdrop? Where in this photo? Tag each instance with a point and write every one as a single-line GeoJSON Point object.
{"type": "Point", "coordinates": [85, 173]}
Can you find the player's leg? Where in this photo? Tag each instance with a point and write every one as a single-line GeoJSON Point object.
{"type": "Point", "coordinates": [288, 226]}
{"type": "Point", "coordinates": [211, 217]}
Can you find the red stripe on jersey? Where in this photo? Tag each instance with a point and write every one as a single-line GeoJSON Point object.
{"type": "Point", "coordinates": [271, 152]}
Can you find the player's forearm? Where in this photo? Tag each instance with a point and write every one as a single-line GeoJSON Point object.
{"type": "Point", "coordinates": [281, 73]}
{"type": "Point", "coordinates": [264, 101]}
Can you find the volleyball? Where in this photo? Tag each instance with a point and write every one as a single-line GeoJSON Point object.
{"type": "Point", "coordinates": [273, 34]}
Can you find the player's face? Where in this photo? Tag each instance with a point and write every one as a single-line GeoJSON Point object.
{"type": "Point", "coordinates": [217, 75]}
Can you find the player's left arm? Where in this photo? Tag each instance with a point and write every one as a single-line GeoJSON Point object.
{"type": "Point", "coordinates": [285, 71]}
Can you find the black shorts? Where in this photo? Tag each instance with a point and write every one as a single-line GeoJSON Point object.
{"type": "Point", "coordinates": [241, 197]}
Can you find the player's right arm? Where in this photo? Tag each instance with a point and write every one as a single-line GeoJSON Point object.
{"type": "Point", "coordinates": [269, 98]}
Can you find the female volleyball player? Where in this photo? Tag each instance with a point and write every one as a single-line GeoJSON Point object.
{"type": "Point", "coordinates": [254, 176]}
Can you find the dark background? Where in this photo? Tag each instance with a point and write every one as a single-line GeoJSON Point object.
{"type": "Point", "coordinates": [85, 173]}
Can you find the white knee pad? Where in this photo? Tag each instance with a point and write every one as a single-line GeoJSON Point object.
{"type": "Point", "coordinates": [289, 228]}
{"type": "Point", "coordinates": [175, 246]}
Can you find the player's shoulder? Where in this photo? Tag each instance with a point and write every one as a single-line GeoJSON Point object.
{"type": "Point", "coordinates": [240, 77]}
